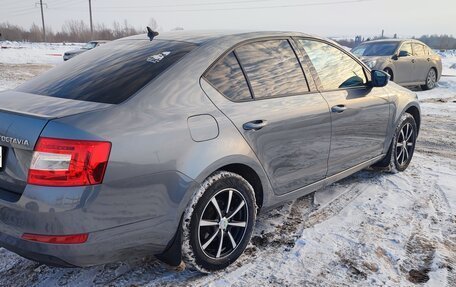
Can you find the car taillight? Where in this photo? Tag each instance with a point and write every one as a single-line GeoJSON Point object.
{"type": "Point", "coordinates": [62, 162]}
{"type": "Point", "coordinates": [56, 239]}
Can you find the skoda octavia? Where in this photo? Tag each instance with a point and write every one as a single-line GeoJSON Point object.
{"type": "Point", "coordinates": [171, 146]}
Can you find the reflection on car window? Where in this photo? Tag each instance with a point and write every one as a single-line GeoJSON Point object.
{"type": "Point", "coordinates": [272, 68]}
{"type": "Point", "coordinates": [110, 73]}
{"type": "Point", "coordinates": [335, 68]}
{"type": "Point", "coordinates": [375, 49]}
{"type": "Point", "coordinates": [407, 47]}
{"type": "Point", "coordinates": [418, 50]}
{"type": "Point", "coordinates": [227, 77]}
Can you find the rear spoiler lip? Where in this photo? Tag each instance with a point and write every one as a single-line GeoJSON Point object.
{"type": "Point", "coordinates": [50, 107]}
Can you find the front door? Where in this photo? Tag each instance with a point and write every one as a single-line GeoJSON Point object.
{"type": "Point", "coordinates": [359, 114]}
{"type": "Point", "coordinates": [287, 126]}
{"type": "Point", "coordinates": [404, 65]}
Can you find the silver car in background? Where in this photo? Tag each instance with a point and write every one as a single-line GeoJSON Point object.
{"type": "Point", "coordinates": [89, 46]}
{"type": "Point", "coordinates": [408, 62]}
{"type": "Point", "coordinates": [171, 147]}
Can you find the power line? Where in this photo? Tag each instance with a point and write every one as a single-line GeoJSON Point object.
{"type": "Point", "coordinates": [141, 9]}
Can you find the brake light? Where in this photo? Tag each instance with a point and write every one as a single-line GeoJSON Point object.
{"type": "Point", "coordinates": [62, 162]}
{"type": "Point", "coordinates": [56, 239]}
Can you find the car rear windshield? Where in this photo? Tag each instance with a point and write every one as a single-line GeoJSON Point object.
{"type": "Point", "coordinates": [375, 49]}
{"type": "Point", "coordinates": [111, 73]}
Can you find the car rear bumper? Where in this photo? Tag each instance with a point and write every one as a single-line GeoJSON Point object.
{"type": "Point", "coordinates": [120, 223]}
{"type": "Point", "coordinates": [102, 247]}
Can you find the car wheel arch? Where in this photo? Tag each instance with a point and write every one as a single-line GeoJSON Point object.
{"type": "Point", "coordinates": [246, 167]}
{"type": "Point", "coordinates": [415, 112]}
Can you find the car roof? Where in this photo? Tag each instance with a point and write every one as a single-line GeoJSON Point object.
{"type": "Point", "coordinates": [394, 40]}
{"type": "Point", "coordinates": [203, 37]}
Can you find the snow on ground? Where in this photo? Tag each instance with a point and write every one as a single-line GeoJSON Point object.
{"type": "Point", "coordinates": [371, 229]}
{"type": "Point", "coordinates": [33, 53]}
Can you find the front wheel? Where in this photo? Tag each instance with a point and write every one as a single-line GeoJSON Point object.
{"type": "Point", "coordinates": [402, 146]}
{"type": "Point", "coordinates": [219, 222]}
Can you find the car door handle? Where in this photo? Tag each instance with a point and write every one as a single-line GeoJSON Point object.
{"type": "Point", "coordinates": [413, 61]}
{"type": "Point", "coordinates": [338, 109]}
{"type": "Point", "coordinates": [255, 125]}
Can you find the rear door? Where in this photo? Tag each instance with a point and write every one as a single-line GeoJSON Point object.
{"type": "Point", "coordinates": [405, 65]}
{"type": "Point", "coordinates": [359, 114]}
{"type": "Point", "coordinates": [286, 123]}
{"type": "Point", "coordinates": [422, 63]}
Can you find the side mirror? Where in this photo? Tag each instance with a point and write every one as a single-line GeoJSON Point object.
{"type": "Point", "coordinates": [404, 54]}
{"type": "Point", "coordinates": [395, 57]}
{"type": "Point", "coordinates": [379, 79]}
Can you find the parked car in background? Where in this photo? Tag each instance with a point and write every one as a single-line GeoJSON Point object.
{"type": "Point", "coordinates": [89, 46]}
{"type": "Point", "coordinates": [408, 62]}
{"type": "Point", "coordinates": [172, 146]}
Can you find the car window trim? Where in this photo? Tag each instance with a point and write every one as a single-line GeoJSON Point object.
{"type": "Point", "coordinates": [310, 64]}
{"type": "Point", "coordinates": [246, 77]}
{"type": "Point", "coordinates": [248, 41]}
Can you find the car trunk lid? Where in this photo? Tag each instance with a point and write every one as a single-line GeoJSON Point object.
{"type": "Point", "coordinates": [22, 119]}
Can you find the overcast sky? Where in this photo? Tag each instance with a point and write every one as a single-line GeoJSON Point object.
{"type": "Point", "coordinates": [334, 18]}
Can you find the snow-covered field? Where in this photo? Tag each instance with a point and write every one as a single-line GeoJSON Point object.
{"type": "Point", "coordinates": [371, 229]}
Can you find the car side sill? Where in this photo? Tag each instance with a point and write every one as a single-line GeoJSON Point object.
{"type": "Point", "coordinates": [322, 183]}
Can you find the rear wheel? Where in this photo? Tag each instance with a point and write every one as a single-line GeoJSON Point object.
{"type": "Point", "coordinates": [431, 80]}
{"type": "Point", "coordinates": [219, 222]}
{"type": "Point", "coordinates": [402, 146]}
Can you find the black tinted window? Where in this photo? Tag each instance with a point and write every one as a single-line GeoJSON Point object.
{"type": "Point", "coordinates": [419, 50]}
{"type": "Point", "coordinates": [227, 77]}
{"type": "Point", "coordinates": [335, 68]}
{"type": "Point", "coordinates": [272, 68]}
{"type": "Point", "coordinates": [110, 73]}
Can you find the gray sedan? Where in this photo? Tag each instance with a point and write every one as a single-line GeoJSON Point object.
{"type": "Point", "coordinates": [408, 62]}
{"type": "Point", "coordinates": [172, 146]}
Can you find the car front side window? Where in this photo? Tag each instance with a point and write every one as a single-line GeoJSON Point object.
{"type": "Point", "coordinates": [419, 50]}
{"type": "Point", "coordinates": [272, 69]}
{"type": "Point", "coordinates": [406, 50]}
{"type": "Point", "coordinates": [336, 69]}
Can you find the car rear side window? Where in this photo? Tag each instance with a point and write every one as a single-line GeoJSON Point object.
{"type": "Point", "coordinates": [227, 77]}
{"type": "Point", "coordinates": [335, 69]}
{"type": "Point", "coordinates": [110, 73]}
{"type": "Point", "coordinates": [272, 69]}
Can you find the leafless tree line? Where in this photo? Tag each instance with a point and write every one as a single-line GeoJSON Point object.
{"type": "Point", "coordinates": [71, 31]}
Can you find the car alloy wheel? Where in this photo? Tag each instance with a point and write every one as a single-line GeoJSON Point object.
{"type": "Point", "coordinates": [222, 229]}
{"type": "Point", "coordinates": [431, 80]}
{"type": "Point", "coordinates": [405, 144]}
{"type": "Point", "coordinates": [218, 222]}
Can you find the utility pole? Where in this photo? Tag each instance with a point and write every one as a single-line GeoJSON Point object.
{"type": "Point", "coordinates": [42, 18]}
{"type": "Point", "coordinates": [91, 23]}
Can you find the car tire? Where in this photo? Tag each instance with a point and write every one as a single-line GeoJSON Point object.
{"type": "Point", "coordinates": [390, 73]}
{"type": "Point", "coordinates": [218, 223]}
{"type": "Point", "coordinates": [431, 80]}
{"type": "Point", "coordinates": [402, 146]}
